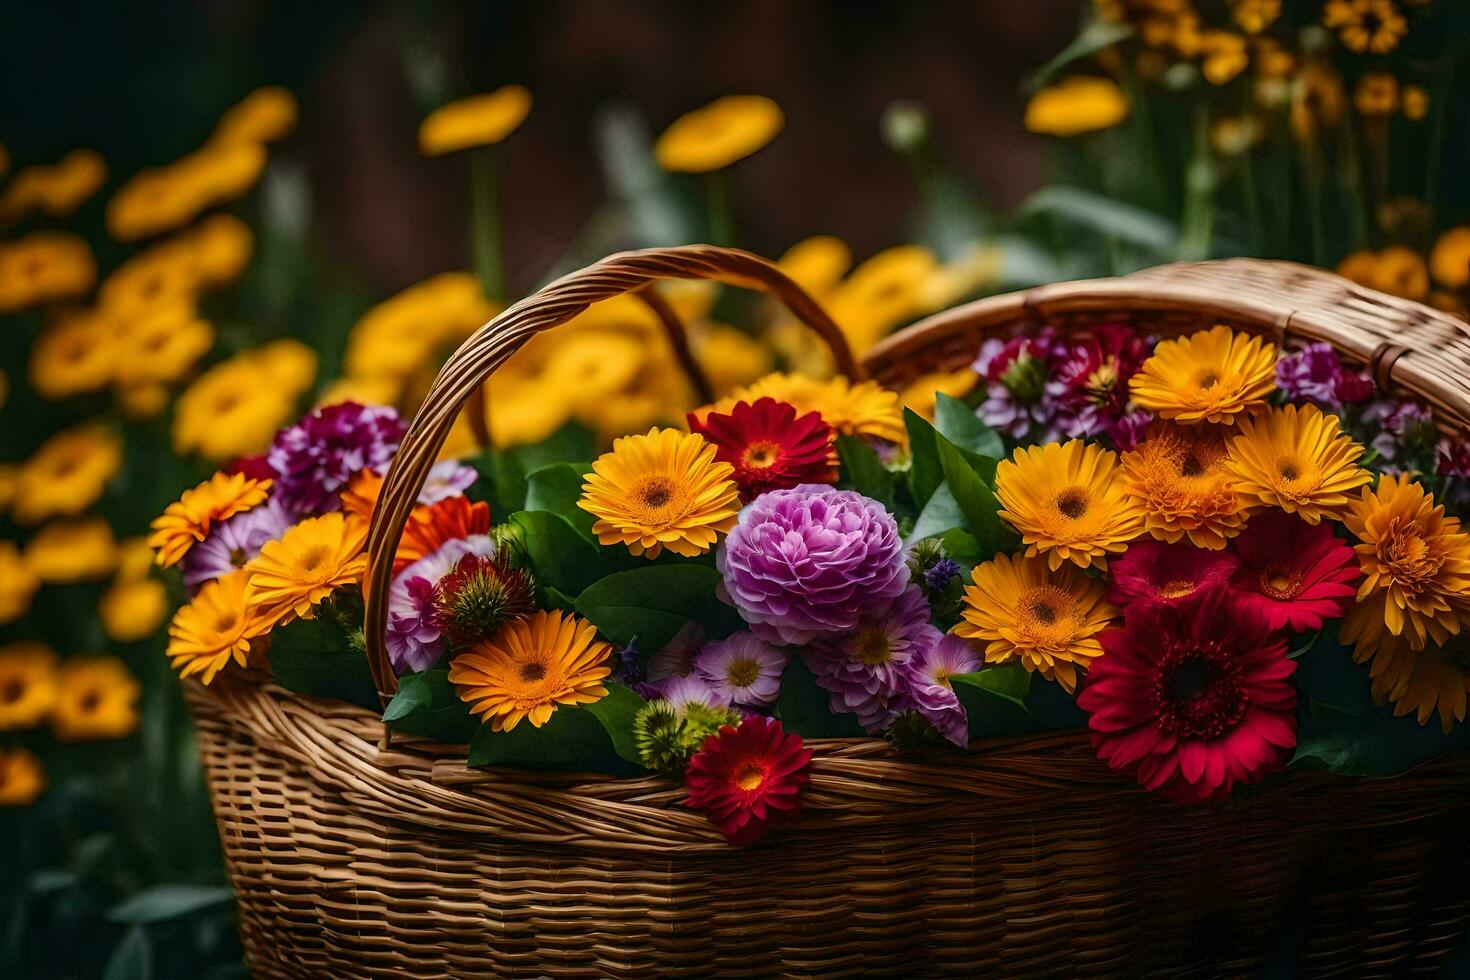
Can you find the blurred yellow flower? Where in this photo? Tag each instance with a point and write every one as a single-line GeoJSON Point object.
{"type": "Point", "coordinates": [132, 611]}
{"type": "Point", "coordinates": [595, 365]}
{"type": "Point", "coordinates": [1233, 136]}
{"type": "Point", "coordinates": [289, 363]}
{"type": "Point", "coordinates": [863, 409]}
{"type": "Point", "coordinates": [1397, 270]}
{"type": "Point", "coordinates": [476, 120]}
{"type": "Point", "coordinates": [1225, 56]}
{"type": "Point", "coordinates": [96, 698]}
{"type": "Point", "coordinates": [1414, 102]}
{"type": "Point", "coordinates": [22, 777]}
{"type": "Point", "coordinates": [9, 484]}
{"type": "Point", "coordinates": [57, 189]}
{"type": "Point", "coordinates": [64, 552]}
{"type": "Point", "coordinates": [521, 411]}
{"type": "Point", "coordinates": [1377, 94]}
{"type": "Point", "coordinates": [18, 584]}
{"type": "Point", "coordinates": [214, 628]}
{"type": "Point", "coordinates": [923, 392]}
{"type": "Point", "coordinates": [43, 267]}
{"type": "Point", "coordinates": [67, 474]}
{"type": "Point", "coordinates": [729, 357]}
{"type": "Point", "coordinates": [364, 391]}
{"type": "Point", "coordinates": [73, 355]}
{"type": "Point", "coordinates": [1317, 101]}
{"type": "Point", "coordinates": [728, 129]}
{"type": "Point", "coordinates": [27, 684]}
{"type": "Point", "coordinates": [1076, 105]}
{"type": "Point", "coordinates": [141, 402]}
{"type": "Point", "coordinates": [220, 248]}
{"type": "Point", "coordinates": [399, 337]}
{"type": "Point", "coordinates": [161, 345]}
{"type": "Point", "coordinates": [1254, 16]}
{"type": "Point", "coordinates": [978, 267]}
{"type": "Point", "coordinates": [881, 293]}
{"type": "Point", "coordinates": [817, 264]}
{"type": "Point", "coordinates": [134, 558]}
{"type": "Point", "coordinates": [164, 198]}
{"type": "Point", "coordinates": [1366, 26]}
{"type": "Point", "coordinates": [235, 407]}
{"type": "Point", "coordinates": [1449, 260]}
{"type": "Point", "coordinates": [211, 254]}
{"type": "Point", "coordinates": [265, 115]}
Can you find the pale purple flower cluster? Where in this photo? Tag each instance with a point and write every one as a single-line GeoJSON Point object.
{"type": "Point", "coordinates": [1406, 432]}
{"type": "Point", "coordinates": [314, 459]}
{"type": "Point", "coordinates": [928, 690]}
{"type": "Point", "coordinates": [865, 669]}
{"type": "Point", "coordinates": [414, 639]}
{"type": "Point", "coordinates": [810, 561]}
{"type": "Point", "coordinates": [447, 478]}
{"type": "Point", "coordinates": [233, 542]}
{"type": "Point", "coordinates": [1315, 373]}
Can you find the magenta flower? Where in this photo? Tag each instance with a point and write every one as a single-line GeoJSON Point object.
{"type": "Point", "coordinates": [866, 669]}
{"type": "Point", "coordinates": [811, 561]}
{"type": "Point", "coordinates": [414, 640]}
{"type": "Point", "coordinates": [1311, 374]}
{"type": "Point", "coordinates": [930, 692]}
{"type": "Point", "coordinates": [1018, 402]}
{"type": "Point", "coordinates": [742, 669]}
{"type": "Point", "coordinates": [314, 459]}
{"type": "Point", "coordinates": [1089, 378]}
{"type": "Point", "coordinates": [234, 542]}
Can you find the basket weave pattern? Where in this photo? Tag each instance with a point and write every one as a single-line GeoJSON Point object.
{"type": "Point", "coordinates": [353, 857]}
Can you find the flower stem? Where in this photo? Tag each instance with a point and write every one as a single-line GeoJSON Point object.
{"type": "Point", "coordinates": [487, 246]}
{"type": "Point", "coordinates": [719, 200]}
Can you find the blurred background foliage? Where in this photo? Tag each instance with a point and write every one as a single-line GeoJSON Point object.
{"type": "Point", "coordinates": [900, 178]}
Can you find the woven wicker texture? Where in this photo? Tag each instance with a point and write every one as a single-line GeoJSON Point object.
{"type": "Point", "coordinates": [1026, 857]}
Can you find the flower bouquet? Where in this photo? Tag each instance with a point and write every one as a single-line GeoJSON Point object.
{"type": "Point", "coordinates": [1217, 556]}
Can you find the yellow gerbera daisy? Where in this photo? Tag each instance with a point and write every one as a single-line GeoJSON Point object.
{"type": "Point", "coordinates": [133, 610]}
{"type": "Point", "coordinates": [64, 552]}
{"type": "Point", "coordinates": [187, 520]}
{"type": "Point", "coordinates": [728, 129]}
{"type": "Point", "coordinates": [27, 684]}
{"type": "Point", "coordinates": [1416, 566]}
{"type": "Point", "coordinates": [18, 583]}
{"type": "Point", "coordinates": [863, 409]}
{"type": "Point", "coordinates": [214, 628]}
{"type": "Point", "coordinates": [306, 564]}
{"type": "Point", "coordinates": [1047, 618]}
{"type": "Point", "coordinates": [96, 698]}
{"type": "Point", "coordinates": [529, 668]}
{"type": "Point", "coordinates": [22, 777]}
{"type": "Point", "coordinates": [67, 474]}
{"type": "Point", "coordinates": [1179, 476]}
{"type": "Point", "coordinates": [1298, 459]}
{"type": "Point", "coordinates": [234, 408]}
{"type": "Point", "coordinates": [1209, 376]}
{"type": "Point", "coordinates": [1420, 682]}
{"type": "Point", "coordinates": [661, 490]}
{"type": "Point", "coordinates": [1066, 503]}
{"type": "Point", "coordinates": [476, 120]}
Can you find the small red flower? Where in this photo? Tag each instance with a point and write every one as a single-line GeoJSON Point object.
{"type": "Point", "coordinates": [747, 778]}
{"type": "Point", "coordinates": [1294, 574]}
{"type": "Point", "coordinates": [1193, 698]}
{"type": "Point", "coordinates": [1152, 571]}
{"type": "Point", "coordinates": [254, 468]}
{"type": "Point", "coordinates": [430, 526]}
{"type": "Point", "coordinates": [770, 447]}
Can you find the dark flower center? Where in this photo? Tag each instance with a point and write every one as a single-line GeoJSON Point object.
{"type": "Point", "coordinates": [1191, 465]}
{"type": "Point", "coordinates": [1072, 502]}
{"type": "Point", "coordinates": [533, 671]}
{"type": "Point", "coordinates": [1176, 589]}
{"type": "Point", "coordinates": [1280, 582]}
{"type": "Point", "coordinates": [1197, 691]}
{"type": "Point", "coordinates": [742, 673]}
{"type": "Point", "coordinates": [90, 701]}
{"type": "Point", "coordinates": [872, 646]}
{"type": "Point", "coordinates": [12, 691]}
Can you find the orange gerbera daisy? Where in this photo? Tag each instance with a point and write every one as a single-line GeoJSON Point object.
{"type": "Point", "coordinates": [215, 628]}
{"type": "Point", "coordinates": [1066, 503]}
{"type": "Point", "coordinates": [1180, 477]}
{"type": "Point", "coordinates": [1420, 682]}
{"type": "Point", "coordinates": [1209, 376]}
{"type": "Point", "coordinates": [1298, 459]}
{"type": "Point", "coordinates": [430, 526]}
{"type": "Point", "coordinates": [532, 666]}
{"type": "Point", "coordinates": [361, 495]}
{"type": "Point", "coordinates": [187, 521]}
{"type": "Point", "coordinates": [305, 565]}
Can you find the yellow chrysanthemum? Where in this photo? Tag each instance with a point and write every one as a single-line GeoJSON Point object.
{"type": "Point", "coordinates": [133, 610]}
{"type": "Point", "coordinates": [27, 684]}
{"type": "Point", "coordinates": [18, 583]}
{"type": "Point", "coordinates": [1048, 619]}
{"type": "Point", "coordinates": [863, 409]}
{"type": "Point", "coordinates": [305, 565]}
{"type": "Point", "coordinates": [67, 474]}
{"type": "Point", "coordinates": [1076, 105]}
{"type": "Point", "coordinates": [22, 777]}
{"type": "Point", "coordinates": [1209, 376]}
{"type": "Point", "coordinates": [1181, 479]}
{"type": "Point", "coordinates": [73, 355]}
{"type": "Point", "coordinates": [187, 520]}
{"type": "Point", "coordinates": [215, 628]}
{"type": "Point", "coordinates": [728, 129]}
{"type": "Point", "coordinates": [1449, 260]}
{"type": "Point", "coordinates": [233, 409]}
{"type": "Point", "coordinates": [1366, 26]}
{"type": "Point", "coordinates": [477, 120]}
{"type": "Point", "coordinates": [265, 115]}
{"type": "Point", "coordinates": [661, 490]}
{"type": "Point", "coordinates": [530, 668]}
{"type": "Point", "coordinates": [162, 345]}
{"type": "Point", "coordinates": [1067, 503]}
{"type": "Point", "coordinates": [44, 267]}
{"type": "Point", "coordinates": [64, 552]}
{"type": "Point", "coordinates": [1298, 459]}
{"type": "Point", "coordinates": [57, 189]}
{"type": "Point", "coordinates": [1420, 682]}
{"type": "Point", "coordinates": [1416, 566]}
{"type": "Point", "coordinates": [96, 698]}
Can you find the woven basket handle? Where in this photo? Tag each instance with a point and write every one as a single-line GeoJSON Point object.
{"type": "Point", "coordinates": [493, 344]}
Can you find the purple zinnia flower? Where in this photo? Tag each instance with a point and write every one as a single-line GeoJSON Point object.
{"type": "Point", "coordinates": [865, 670]}
{"type": "Point", "coordinates": [681, 691]}
{"type": "Point", "coordinates": [1018, 402]}
{"type": "Point", "coordinates": [234, 542]}
{"type": "Point", "coordinates": [414, 640]}
{"type": "Point", "coordinates": [810, 561]}
{"type": "Point", "coordinates": [315, 458]}
{"type": "Point", "coordinates": [742, 669]}
{"type": "Point", "coordinates": [929, 690]}
{"type": "Point", "coordinates": [1126, 433]}
{"type": "Point", "coordinates": [1311, 374]}
{"type": "Point", "coordinates": [447, 478]}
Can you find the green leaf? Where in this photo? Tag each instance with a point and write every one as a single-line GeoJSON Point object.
{"type": "Point", "coordinates": [925, 473]}
{"type": "Point", "coordinates": [1105, 215]}
{"type": "Point", "coordinates": [654, 602]}
{"type": "Point", "coordinates": [163, 902]}
{"type": "Point", "coordinates": [804, 707]}
{"type": "Point", "coordinates": [556, 489]}
{"type": "Point", "coordinates": [995, 700]}
{"type": "Point", "coordinates": [616, 713]}
{"type": "Point", "coordinates": [572, 443]}
{"type": "Point", "coordinates": [428, 705]}
{"type": "Point", "coordinates": [962, 547]}
{"type": "Point", "coordinates": [1096, 36]}
{"type": "Point", "coordinates": [940, 515]}
{"type": "Point", "coordinates": [131, 959]}
{"type": "Point", "coordinates": [572, 740]}
{"type": "Point", "coordinates": [975, 499]}
{"type": "Point", "coordinates": [561, 557]}
{"type": "Point", "coordinates": [958, 423]}
{"type": "Point", "coordinates": [317, 657]}
{"type": "Point", "coordinates": [864, 470]}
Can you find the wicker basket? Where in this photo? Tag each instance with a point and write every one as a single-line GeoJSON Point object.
{"type": "Point", "coordinates": [354, 857]}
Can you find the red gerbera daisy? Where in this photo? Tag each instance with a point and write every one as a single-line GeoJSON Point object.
{"type": "Point", "coordinates": [770, 447]}
{"type": "Point", "coordinates": [1192, 698]}
{"type": "Point", "coordinates": [431, 526]}
{"type": "Point", "coordinates": [1153, 571]}
{"type": "Point", "coordinates": [747, 778]}
{"type": "Point", "coordinates": [1294, 574]}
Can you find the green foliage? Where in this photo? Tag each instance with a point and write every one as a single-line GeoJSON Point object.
{"type": "Point", "coordinates": [913, 737]}
{"type": "Point", "coordinates": [320, 658]}
{"type": "Point", "coordinates": [426, 704]}
{"type": "Point", "coordinates": [951, 477]}
{"type": "Point", "coordinates": [864, 471]}
{"type": "Point", "coordinates": [556, 488]}
{"type": "Point", "coordinates": [653, 602]}
{"type": "Point", "coordinates": [667, 738]}
{"type": "Point", "coordinates": [1005, 701]}
{"type": "Point", "coordinates": [595, 737]}
{"type": "Point", "coordinates": [804, 707]}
